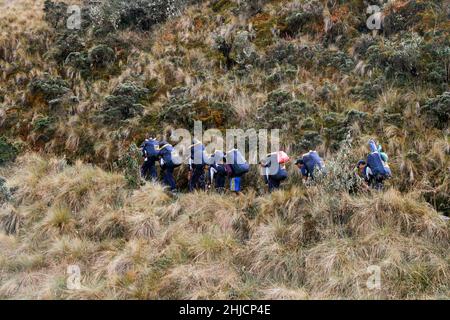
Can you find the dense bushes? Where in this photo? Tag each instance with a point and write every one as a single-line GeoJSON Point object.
{"type": "Point", "coordinates": [281, 111]}
{"type": "Point", "coordinates": [437, 110]}
{"type": "Point", "coordinates": [48, 88]}
{"type": "Point", "coordinates": [182, 110]}
{"type": "Point", "coordinates": [8, 151]}
{"type": "Point", "coordinates": [305, 19]}
{"type": "Point", "coordinates": [124, 103]}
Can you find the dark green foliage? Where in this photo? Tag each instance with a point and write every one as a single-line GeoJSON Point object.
{"type": "Point", "coordinates": [400, 18]}
{"type": "Point", "coordinates": [219, 5]}
{"type": "Point", "coordinates": [66, 43]}
{"type": "Point", "coordinates": [285, 52]}
{"type": "Point", "coordinates": [336, 59]}
{"type": "Point", "coordinates": [400, 57]}
{"type": "Point", "coordinates": [395, 119]}
{"type": "Point", "coordinates": [368, 90]}
{"type": "Point", "coordinates": [129, 164]}
{"type": "Point", "coordinates": [124, 103]}
{"type": "Point", "coordinates": [45, 127]}
{"type": "Point", "coordinates": [282, 112]}
{"type": "Point", "coordinates": [337, 126]}
{"type": "Point", "coordinates": [437, 69]}
{"type": "Point", "coordinates": [5, 193]}
{"type": "Point", "coordinates": [183, 111]}
{"type": "Point", "coordinates": [281, 75]}
{"type": "Point", "coordinates": [309, 141]}
{"type": "Point", "coordinates": [49, 88]}
{"type": "Point", "coordinates": [79, 61]}
{"type": "Point", "coordinates": [362, 44]}
{"type": "Point", "coordinates": [138, 14]}
{"type": "Point", "coordinates": [8, 152]}
{"type": "Point", "coordinates": [437, 111]}
{"type": "Point", "coordinates": [55, 13]}
{"type": "Point", "coordinates": [101, 56]}
{"type": "Point", "coordinates": [298, 21]}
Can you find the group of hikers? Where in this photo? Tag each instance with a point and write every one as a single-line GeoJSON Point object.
{"type": "Point", "coordinates": [214, 169]}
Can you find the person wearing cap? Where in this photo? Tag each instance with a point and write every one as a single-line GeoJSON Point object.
{"type": "Point", "coordinates": [150, 154]}
{"type": "Point", "coordinates": [167, 165]}
{"type": "Point", "coordinates": [196, 166]}
{"type": "Point", "coordinates": [309, 163]}
{"type": "Point", "coordinates": [217, 170]}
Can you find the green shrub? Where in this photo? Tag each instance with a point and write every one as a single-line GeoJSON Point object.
{"type": "Point", "coordinates": [437, 110]}
{"type": "Point", "coordinates": [45, 127]}
{"type": "Point", "coordinates": [49, 88]}
{"type": "Point", "coordinates": [281, 111]}
{"type": "Point", "coordinates": [129, 165]}
{"type": "Point", "coordinates": [400, 18]}
{"type": "Point", "coordinates": [101, 56]}
{"type": "Point", "coordinates": [336, 59]}
{"type": "Point", "coordinates": [5, 193]}
{"type": "Point", "coordinates": [8, 152]}
{"type": "Point", "coordinates": [137, 14]}
{"type": "Point", "coordinates": [400, 57]}
{"type": "Point", "coordinates": [309, 14]}
{"type": "Point", "coordinates": [124, 103]}
{"type": "Point", "coordinates": [183, 111]}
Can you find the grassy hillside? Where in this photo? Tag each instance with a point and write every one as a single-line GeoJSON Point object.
{"type": "Point", "coordinates": [75, 103]}
{"type": "Point", "coordinates": [292, 244]}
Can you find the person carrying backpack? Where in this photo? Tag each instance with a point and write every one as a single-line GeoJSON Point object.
{"type": "Point", "coordinates": [197, 163]}
{"type": "Point", "coordinates": [169, 161]}
{"type": "Point", "coordinates": [309, 163]}
{"type": "Point", "coordinates": [239, 167]}
{"type": "Point", "coordinates": [274, 169]}
{"type": "Point", "coordinates": [150, 153]}
{"type": "Point", "coordinates": [377, 169]}
{"type": "Point", "coordinates": [217, 170]}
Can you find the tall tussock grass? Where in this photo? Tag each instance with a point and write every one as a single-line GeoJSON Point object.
{"type": "Point", "coordinates": [297, 243]}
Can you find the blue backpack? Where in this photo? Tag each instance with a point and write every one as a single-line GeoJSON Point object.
{"type": "Point", "coordinates": [376, 165]}
{"type": "Point", "coordinates": [150, 148]}
{"type": "Point", "coordinates": [281, 175]}
{"type": "Point", "coordinates": [238, 164]}
{"type": "Point", "coordinates": [169, 156]}
{"type": "Point", "coordinates": [312, 161]}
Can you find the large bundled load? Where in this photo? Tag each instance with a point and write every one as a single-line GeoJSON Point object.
{"type": "Point", "coordinates": [169, 156]}
{"type": "Point", "coordinates": [274, 166]}
{"type": "Point", "coordinates": [150, 148]}
{"type": "Point", "coordinates": [378, 167]}
{"type": "Point", "coordinates": [313, 161]}
{"type": "Point", "coordinates": [198, 154]}
{"type": "Point", "coordinates": [236, 160]}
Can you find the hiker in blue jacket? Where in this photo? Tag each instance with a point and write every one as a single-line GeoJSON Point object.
{"type": "Point", "coordinates": [197, 164]}
{"type": "Point", "coordinates": [168, 165]}
{"type": "Point", "coordinates": [308, 164]}
{"type": "Point", "coordinates": [377, 169]}
{"type": "Point", "coordinates": [238, 168]}
{"type": "Point", "coordinates": [150, 153]}
{"type": "Point", "coordinates": [274, 170]}
{"type": "Point", "coordinates": [217, 170]}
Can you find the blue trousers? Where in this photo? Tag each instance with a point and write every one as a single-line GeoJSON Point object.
{"type": "Point", "coordinates": [198, 177]}
{"type": "Point", "coordinates": [274, 184]}
{"type": "Point", "coordinates": [168, 178]}
{"type": "Point", "coordinates": [148, 170]}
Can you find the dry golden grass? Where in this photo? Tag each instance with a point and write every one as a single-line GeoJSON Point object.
{"type": "Point", "coordinates": [293, 244]}
{"type": "Point", "coordinates": [296, 243]}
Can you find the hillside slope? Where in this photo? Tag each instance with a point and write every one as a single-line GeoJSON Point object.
{"type": "Point", "coordinates": [292, 244]}
{"type": "Point", "coordinates": [74, 103]}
